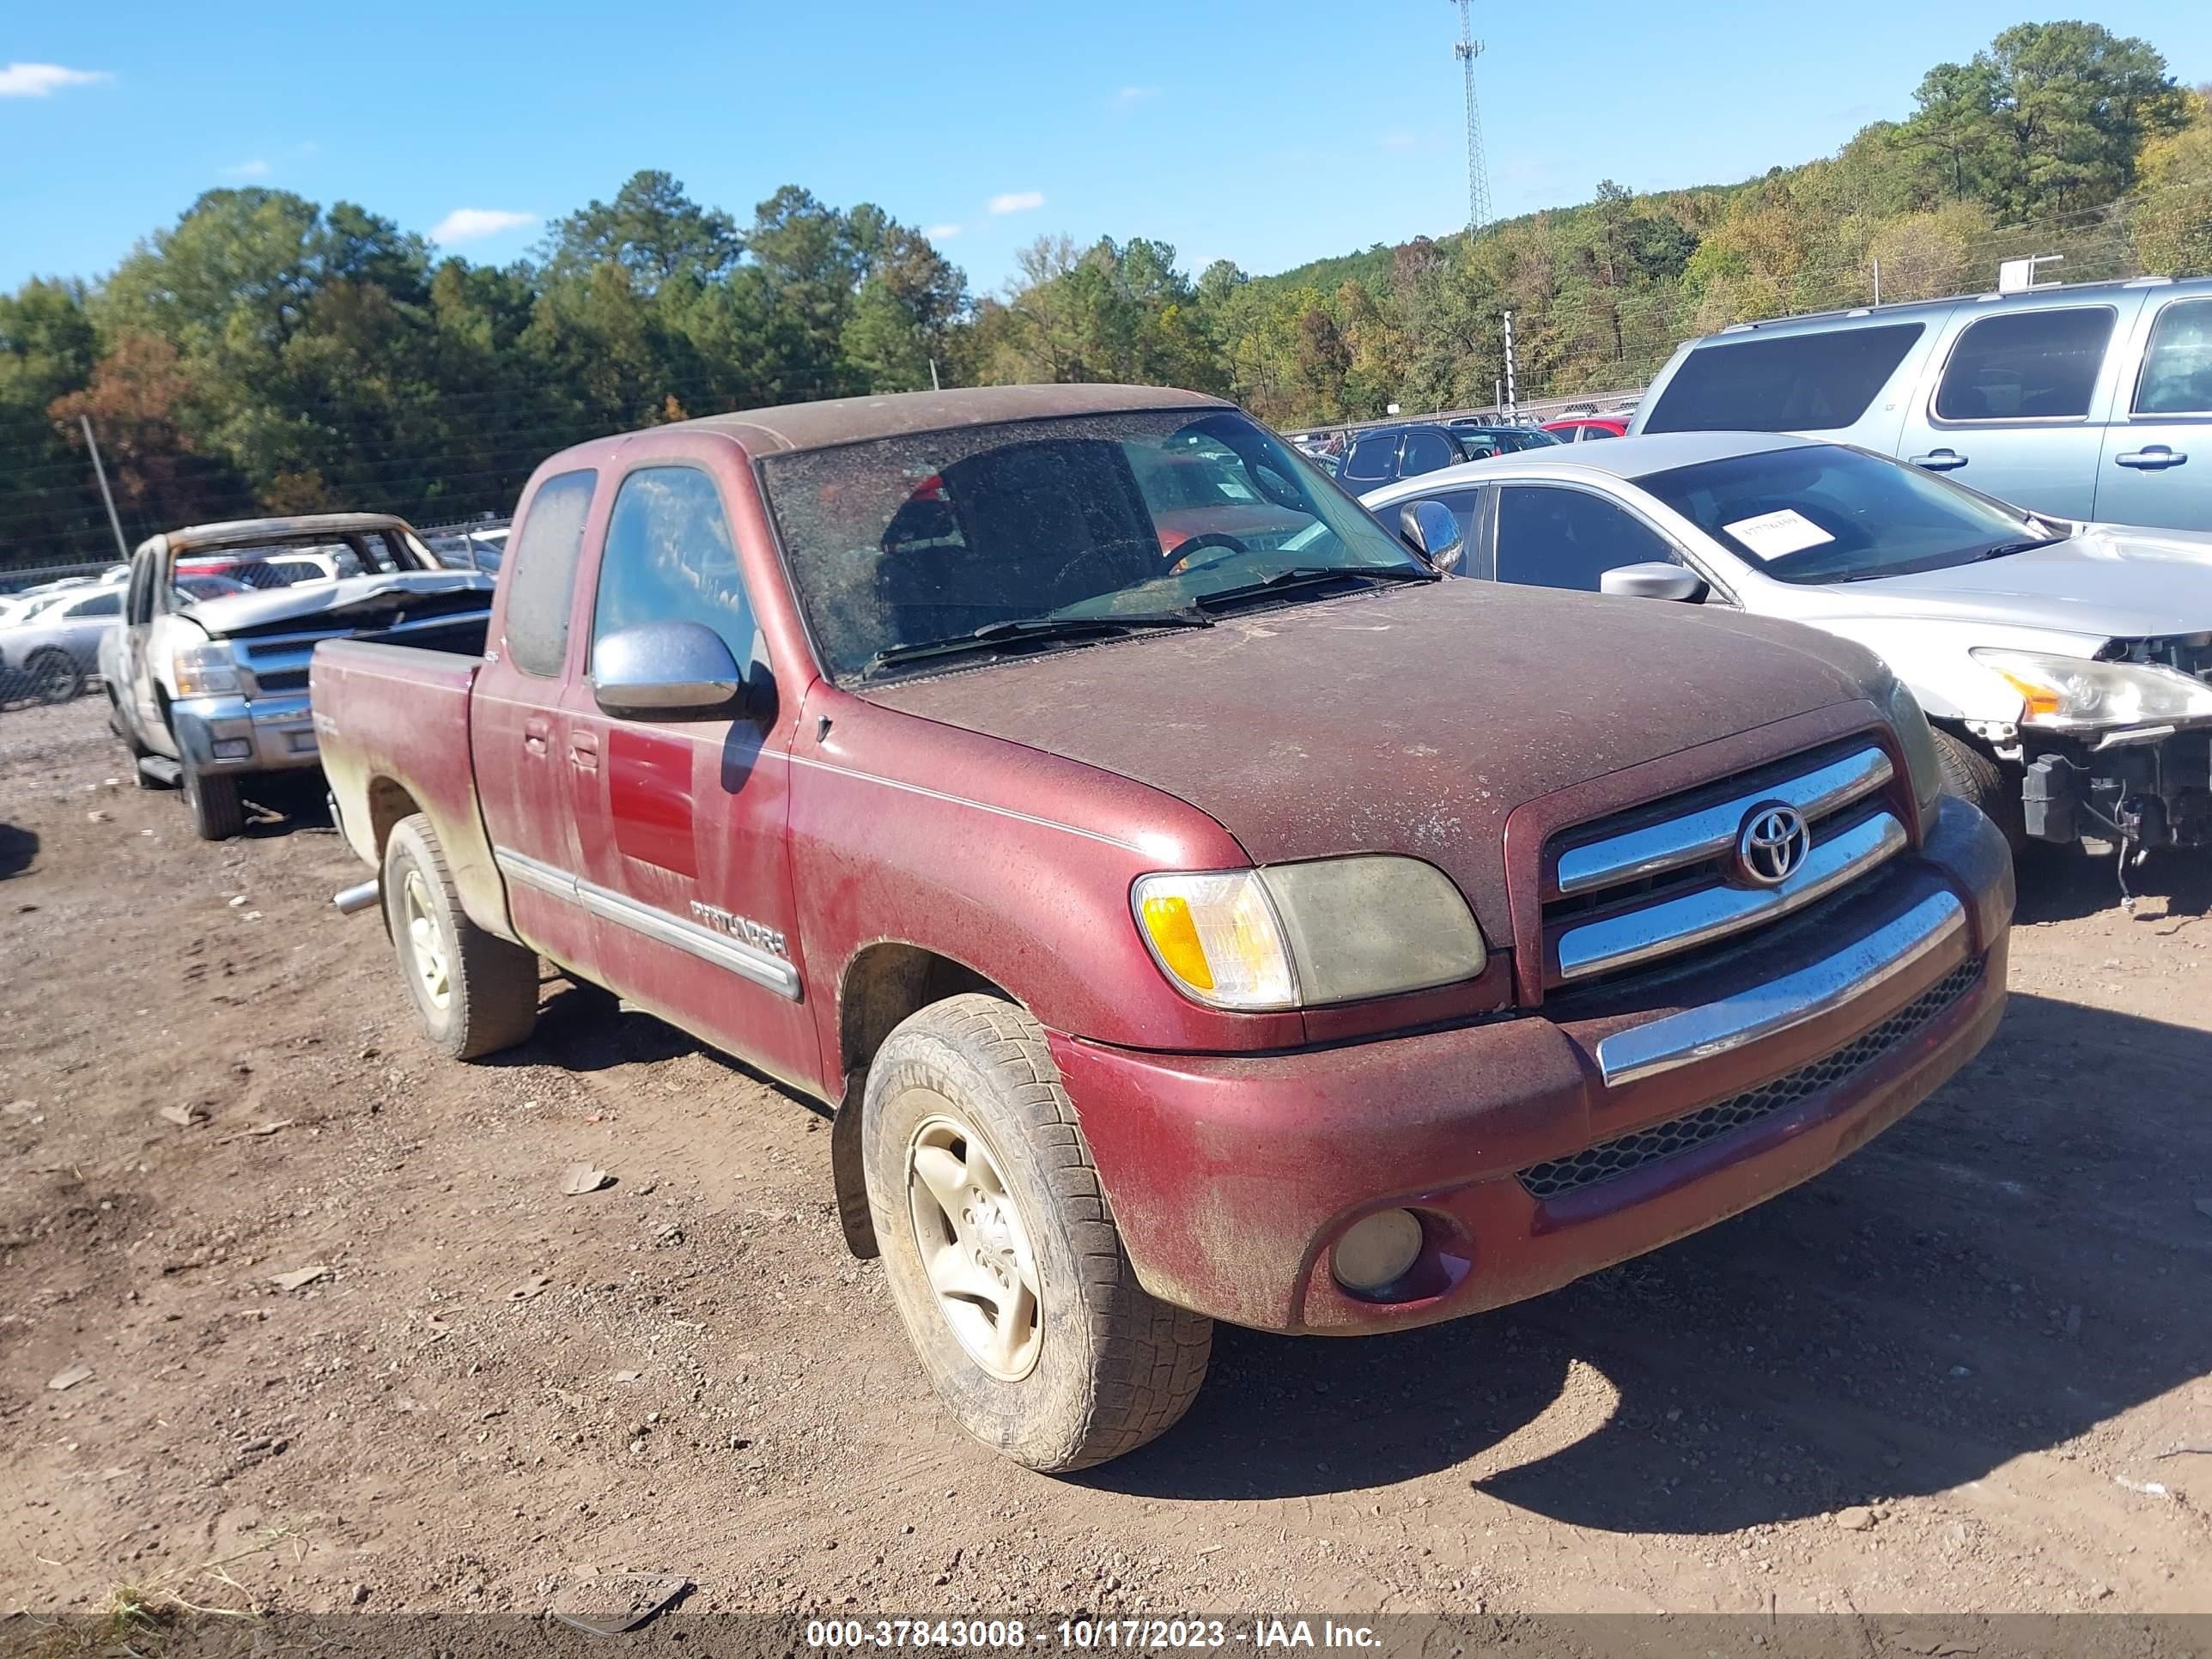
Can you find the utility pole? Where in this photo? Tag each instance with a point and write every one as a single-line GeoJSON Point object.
{"type": "Point", "coordinates": [1510, 397]}
{"type": "Point", "coordinates": [1478, 171]}
{"type": "Point", "coordinates": [933, 386]}
{"type": "Point", "coordinates": [122, 547]}
{"type": "Point", "coordinates": [1877, 282]}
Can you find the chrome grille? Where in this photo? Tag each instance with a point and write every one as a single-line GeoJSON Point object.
{"type": "Point", "coordinates": [1558, 1176]}
{"type": "Point", "coordinates": [1643, 887]}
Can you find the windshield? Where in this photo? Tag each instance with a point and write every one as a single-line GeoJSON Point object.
{"type": "Point", "coordinates": [901, 541]}
{"type": "Point", "coordinates": [1829, 513]}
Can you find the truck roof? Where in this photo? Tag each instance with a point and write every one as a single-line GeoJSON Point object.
{"type": "Point", "coordinates": [246, 532]}
{"type": "Point", "coordinates": [854, 419]}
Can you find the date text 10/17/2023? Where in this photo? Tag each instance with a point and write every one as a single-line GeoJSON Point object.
{"type": "Point", "coordinates": [1088, 1635]}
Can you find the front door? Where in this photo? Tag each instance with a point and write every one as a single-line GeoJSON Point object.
{"type": "Point", "coordinates": [684, 858]}
{"type": "Point", "coordinates": [2157, 464]}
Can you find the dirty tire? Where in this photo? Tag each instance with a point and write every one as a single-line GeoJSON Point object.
{"type": "Point", "coordinates": [54, 676]}
{"type": "Point", "coordinates": [1975, 777]}
{"type": "Point", "coordinates": [1113, 1367]}
{"type": "Point", "coordinates": [489, 984]}
{"type": "Point", "coordinates": [217, 813]}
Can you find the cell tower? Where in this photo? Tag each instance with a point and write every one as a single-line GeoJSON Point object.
{"type": "Point", "coordinates": [1478, 171]}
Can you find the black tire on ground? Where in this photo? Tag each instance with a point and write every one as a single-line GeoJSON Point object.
{"type": "Point", "coordinates": [474, 992]}
{"type": "Point", "coordinates": [212, 799]}
{"type": "Point", "coordinates": [1111, 1366]}
{"type": "Point", "coordinates": [54, 676]}
{"type": "Point", "coordinates": [1977, 777]}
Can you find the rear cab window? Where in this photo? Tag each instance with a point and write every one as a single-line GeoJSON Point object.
{"type": "Point", "coordinates": [1821, 381]}
{"type": "Point", "coordinates": [541, 584]}
{"type": "Point", "coordinates": [2026, 366]}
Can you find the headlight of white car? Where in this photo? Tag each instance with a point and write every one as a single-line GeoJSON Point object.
{"type": "Point", "coordinates": [1916, 740]}
{"type": "Point", "coordinates": [1304, 935]}
{"type": "Point", "coordinates": [205, 670]}
{"type": "Point", "coordinates": [2074, 694]}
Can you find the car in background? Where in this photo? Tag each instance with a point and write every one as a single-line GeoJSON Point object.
{"type": "Point", "coordinates": [1383, 454]}
{"type": "Point", "coordinates": [53, 646]}
{"type": "Point", "coordinates": [2067, 667]}
{"type": "Point", "coordinates": [207, 688]}
{"type": "Point", "coordinates": [1479, 439]}
{"type": "Point", "coordinates": [2086, 400]}
{"type": "Point", "coordinates": [1587, 429]}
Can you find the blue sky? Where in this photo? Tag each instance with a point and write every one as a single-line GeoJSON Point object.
{"type": "Point", "coordinates": [1268, 134]}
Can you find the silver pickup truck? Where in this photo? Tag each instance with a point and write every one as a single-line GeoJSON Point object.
{"type": "Point", "coordinates": [207, 676]}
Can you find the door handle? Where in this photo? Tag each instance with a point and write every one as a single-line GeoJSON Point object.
{"type": "Point", "coordinates": [534, 733]}
{"type": "Point", "coordinates": [2152, 458]}
{"type": "Point", "coordinates": [1938, 460]}
{"type": "Point", "coordinates": [583, 752]}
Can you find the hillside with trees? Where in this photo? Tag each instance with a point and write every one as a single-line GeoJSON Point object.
{"type": "Point", "coordinates": [266, 354]}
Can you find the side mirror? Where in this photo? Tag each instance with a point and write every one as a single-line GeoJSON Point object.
{"type": "Point", "coordinates": [668, 670]}
{"type": "Point", "coordinates": [1431, 529]}
{"type": "Point", "coordinates": [1660, 579]}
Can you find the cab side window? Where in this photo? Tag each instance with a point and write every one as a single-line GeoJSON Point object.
{"type": "Point", "coordinates": [2026, 366]}
{"type": "Point", "coordinates": [543, 581]}
{"type": "Point", "coordinates": [670, 557]}
{"type": "Point", "coordinates": [1373, 461]}
{"type": "Point", "coordinates": [1552, 537]}
{"type": "Point", "coordinates": [2177, 371]}
{"type": "Point", "coordinates": [1425, 452]}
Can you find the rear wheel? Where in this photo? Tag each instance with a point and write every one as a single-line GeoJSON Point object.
{"type": "Point", "coordinates": [54, 676]}
{"type": "Point", "coordinates": [212, 799]}
{"type": "Point", "coordinates": [1001, 1254]}
{"type": "Point", "coordinates": [474, 992]}
{"type": "Point", "coordinates": [1976, 776]}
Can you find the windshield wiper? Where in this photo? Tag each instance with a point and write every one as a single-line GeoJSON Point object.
{"type": "Point", "coordinates": [1307, 575]}
{"type": "Point", "coordinates": [995, 636]}
{"type": "Point", "coordinates": [2005, 549]}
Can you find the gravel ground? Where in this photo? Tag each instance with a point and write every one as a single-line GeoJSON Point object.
{"type": "Point", "coordinates": [1954, 1373]}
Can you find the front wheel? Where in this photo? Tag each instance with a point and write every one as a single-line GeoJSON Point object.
{"type": "Point", "coordinates": [54, 677]}
{"type": "Point", "coordinates": [1001, 1254]}
{"type": "Point", "coordinates": [211, 797]}
{"type": "Point", "coordinates": [1975, 776]}
{"type": "Point", "coordinates": [475, 992]}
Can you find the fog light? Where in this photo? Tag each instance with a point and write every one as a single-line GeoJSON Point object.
{"type": "Point", "coordinates": [233, 748]}
{"type": "Point", "coordinates": [1376, 1251]}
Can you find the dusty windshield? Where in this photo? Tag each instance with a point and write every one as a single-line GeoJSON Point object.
{"type": "Point", "coordinates": [1040, 527]}
{"type": "Point", "coordinates": [1826, 512]}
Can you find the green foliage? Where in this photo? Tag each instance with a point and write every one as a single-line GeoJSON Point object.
{"type": "Point", "coordinates": [264, 353]}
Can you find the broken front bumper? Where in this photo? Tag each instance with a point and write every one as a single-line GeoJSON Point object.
{"type": "Point", "coordinates": [2152, 789]}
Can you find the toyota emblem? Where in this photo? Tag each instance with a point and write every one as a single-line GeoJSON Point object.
{"type": "Point", "coordinates": [1772, 845]}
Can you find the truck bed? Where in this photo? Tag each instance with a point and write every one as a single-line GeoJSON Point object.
{"type": "Point", "coordinates": [393, 724]}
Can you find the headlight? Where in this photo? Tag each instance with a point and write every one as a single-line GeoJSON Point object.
{"type": "Point", "coordinates": [2074, 694]}
{"type": "Point", "coordinates": [203, 670]}
{"type": "Point", "coordinates": [1303, 935]}
{"type": "Point", "coordinates": [1916, 740]}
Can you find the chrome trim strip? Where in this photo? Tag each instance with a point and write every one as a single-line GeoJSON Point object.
{"type": "Point", "coordinates": [1702, 835]}
{"type": "Point", "coordinates": [1810, 994]}
{"type": "Point", "coordinates": [1715, 912]}
{"type": "Point", "coordinates": [773, 972]}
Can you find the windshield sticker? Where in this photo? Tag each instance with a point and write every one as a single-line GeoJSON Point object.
{"type": "Point", "coordinates": [1772, 535]}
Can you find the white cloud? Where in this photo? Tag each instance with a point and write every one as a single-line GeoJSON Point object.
{"type": "Point", "coordinates": [44, 80]}
{"type": "Point", "coordinates": [257, 168]}
{"type": "Point", "coordinates": [941, 233]}
{"type": "Point", "coordinates": [1018, 201]}
{"type": "Point", "coordinates": [1130, 95]}
{"type": "Point", "coordinates": [474, 224]}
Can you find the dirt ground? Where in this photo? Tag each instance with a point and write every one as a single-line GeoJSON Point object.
{"type": "Point", "coordinates": [1957, 1372]}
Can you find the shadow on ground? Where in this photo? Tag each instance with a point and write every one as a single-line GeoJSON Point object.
{"type": "Point", "coordinates": [18, 848]}
{"type": "Point", "coordinates": [2064, 884]}
{"type": "Point", "coordinates": [2010, 1264]}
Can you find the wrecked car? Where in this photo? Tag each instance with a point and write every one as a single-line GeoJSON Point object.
{"type": "Point", "coordinates": [207, 676]}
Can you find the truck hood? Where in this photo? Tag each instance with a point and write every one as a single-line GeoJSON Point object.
{"type": "Point", "coordinates": [1410, 720]}
{"type": "Point", "coordinates": [339, 605]}
{"type": "Point", "coordinates": [2106, 578]}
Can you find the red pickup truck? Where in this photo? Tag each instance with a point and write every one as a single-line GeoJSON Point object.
{"type": "Point", "coordinates": [1183, 930]}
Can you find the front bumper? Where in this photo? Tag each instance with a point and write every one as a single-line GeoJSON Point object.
{"type": "Point", "coordinates": [1231, 1176]}
{"type": "Point", "coordinates": [2157, 791]}
{"type": "Point", "coordinates": [233, 734]}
